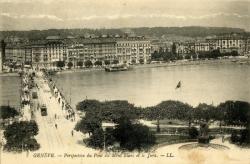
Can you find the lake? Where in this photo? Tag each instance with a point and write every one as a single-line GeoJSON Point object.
{"type": "Point", "coordinates": [10, 90]}
{"type": "Point", "coordinates": [210, 84]}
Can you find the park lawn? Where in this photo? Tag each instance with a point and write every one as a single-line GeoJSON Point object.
{"type": "Point", "coordinates": [171, 122]}
{"type": "Point", "coordinates": [160, 139]}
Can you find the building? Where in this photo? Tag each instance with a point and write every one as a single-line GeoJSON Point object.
{"type": "Point", "coordinates": [15, 54]}
{"type": "Point", "coordinates": [76, 54]}
{"type": "Point", "coordinates": [203, 47]}
{"type": "Point", "coordinates": [133, 50]}
{"type": "Point", "coordinates": [1, 62]}
{"type": "Point", "coordinates": [229, 43]}
{"type": "Point", "coordinates": [46, 54]}
{"type": "Point", "coordinates": [99, 49]}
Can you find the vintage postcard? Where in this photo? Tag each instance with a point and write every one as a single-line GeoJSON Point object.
{"type": "Point", "coordinates": [125, 81]}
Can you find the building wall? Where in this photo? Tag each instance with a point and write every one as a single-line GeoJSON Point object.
{"type": "Point", "coordinates": [15, 54]}
{"type": "Point", "coordinates": [133, 50]}
{"type": "Point", "coordinates": [45, 53]}
{"type": "Point", "coordinates": [229, 43]}
{"type": "Point", "coordinates": [1, 62]}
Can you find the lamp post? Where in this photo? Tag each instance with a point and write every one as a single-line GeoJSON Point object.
{"type": "Point", "coordinates": [104, 137]}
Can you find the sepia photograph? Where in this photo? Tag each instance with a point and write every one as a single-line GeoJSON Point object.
{"type": "Point", "coordinates": [124, 81]}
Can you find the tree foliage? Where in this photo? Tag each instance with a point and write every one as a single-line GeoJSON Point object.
{"type": "Point", "coordinates": [7, 112]}
{"type": "Point", "coordinates": [60, 64]}
{"type": "Point", "coordinates": [98, 63]}
{"type": "Point", "coordinates": [20, 136]}
{"type": "Point", "coordinates": [106, 62]}
{"type": "Point", "coordinates": [88, 124]}
{"type": "Point", "coordinates": [115, 61]}
{"type": "Point", "coordinates": [79, 63]}
{"type": "Point", "coordinates": [88, 63]}
{"type": "Point", "coordinates": [70, 65]}
{"type": "Point", "coordinates": [133, 136]}
{"type": "Point", "coordinates": [193, 132]}
{"type": "Point", "coordinates": [235, 112]}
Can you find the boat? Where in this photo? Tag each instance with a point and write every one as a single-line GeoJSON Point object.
{"type": "Point", "coordinates": [115, 68]}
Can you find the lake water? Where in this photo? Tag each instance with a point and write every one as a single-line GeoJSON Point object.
{"type": "Point", "coordinates": [10, 90]}
{"type": "Point", "coordinates": [211, 84]}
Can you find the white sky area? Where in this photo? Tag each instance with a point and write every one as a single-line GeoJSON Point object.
{"type": "Point", "coordinates": [44, 14]}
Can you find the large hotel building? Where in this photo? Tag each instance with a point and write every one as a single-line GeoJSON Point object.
{"type": "Point", "coordinates": [45, 53]}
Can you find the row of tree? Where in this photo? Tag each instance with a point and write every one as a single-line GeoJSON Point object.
{"type": "Point", "coordinates": [87, 63]}
{"type": "Point", "coordinates": [227, 113]}
{"type": "Point", "coordinates": [162, 55]}
{"type": "Point", "coordinates": [230, 112]}
{"type": "Point", "coordinates": [127, 133]}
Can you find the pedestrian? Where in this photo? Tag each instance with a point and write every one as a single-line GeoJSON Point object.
{"type": "Point", "coordinates": [55, 116]}
{"type": "Point", "coordinates": [56, 126]}
{"type": "Point", "coordinates": [72, 133]}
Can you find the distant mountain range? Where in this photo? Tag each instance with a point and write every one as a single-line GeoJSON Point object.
{"type": "Point", "coordinates": [152, 32]}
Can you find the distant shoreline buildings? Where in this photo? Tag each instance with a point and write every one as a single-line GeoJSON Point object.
{"type": "Point", "coordinates": [137, 49]}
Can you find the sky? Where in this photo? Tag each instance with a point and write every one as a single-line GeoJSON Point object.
{"type": "Point", "coordinates": [47, 14]}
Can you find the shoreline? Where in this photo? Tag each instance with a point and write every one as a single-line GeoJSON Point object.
{"type": "Point", "coordinates": [3, 74]}
{"type": "Point", "coordinates": [246, 61]}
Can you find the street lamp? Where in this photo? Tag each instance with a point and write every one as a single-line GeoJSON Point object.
{"type": "Point", "coordinates": [106, 125]}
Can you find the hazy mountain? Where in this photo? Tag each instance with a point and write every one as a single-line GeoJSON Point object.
{"type": "Point", "coordinates": [154, 32]}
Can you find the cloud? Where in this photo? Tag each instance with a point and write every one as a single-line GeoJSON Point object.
{"type": "Point", "coordinates": [45, 21]}
{"type": "Point", "coordinates": [171, 16]}
{"type": "Point", "coordinates": [40, 16]}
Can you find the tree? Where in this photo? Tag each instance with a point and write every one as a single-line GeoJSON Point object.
{"type": "Point", "coordinates": [60, 64]}
{"type": "Point", "coordinates": [107, 62]}
{"type": "Point", "coordinates": [96, 140]}
{"type": "Point", "coordinates": [98, 63]}
{"type": "Point", "coordinates": [141, 61]}
{"type": "Point", "coordinates": [79, 63]}
{"type": "Point", "coordinates": [235, 112]}
{"type": "Point", "coordinates": [133, 61]}
{"type": "Point", "coordinates": [20, 136]}
{"type": "Point", "coordinates": [193, 132]}
{"type": "Point", "coordinates": [174, 48]}
{"type": "Point", "coordinates": [115, 61]}
{"type": "Point", "coordinates": [116, 109]}
{"type": "Point", "coordinates": [174, 110]}
{"type": "Point", "coordinates": [205, 112]}
{"type": "Point", "coordinates": [188, 56]}
{"type": "Point", "coordinates": [234, 53]}
{"type": "Point", "coordinates": [88, 124]}
{"type": "Point", "coordinates": [88, 105]}
{"type": "Point", "coordinates": [133, 136]}
{"type": "Point", "coordinates": [70, 65]}
{"type": "Point", "coordinates": [215, 54]}
{"type": "Point", "coordinates": [88, 63]}
{"type": "Point", "coordinates": [7, 112]}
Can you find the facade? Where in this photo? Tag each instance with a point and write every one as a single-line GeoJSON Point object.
{"type": "Point", "coordinates": [75, 54]}
{"type": "Point", "coordinates": [184, 48]}
{"type": "Point", "coordinates": [133, 50]}
{"type": "Point", "coordinates": [247, 46]}
{"type": "Point", "coordinates": [229, 43]}
{"type": "Point", "coordinates": [1, 62]}
{"type": "Point", "coordinates": [15, 54]}
{"type": "Point", "coordinates": [99, 49]}
{"type": "Point", "coordinates": [203, 47]}
{"type": "Point", "coordinates": [46, 53]}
